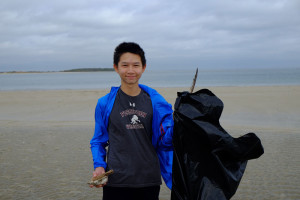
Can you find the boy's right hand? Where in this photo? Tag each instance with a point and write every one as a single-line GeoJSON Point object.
{"type": "Point", "coordinates": [98, 171]}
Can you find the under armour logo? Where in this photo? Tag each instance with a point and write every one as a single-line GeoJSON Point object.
{"type": "Point", "coordinates": [131, 104]}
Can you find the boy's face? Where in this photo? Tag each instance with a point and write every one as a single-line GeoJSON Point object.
{"type": "Point", "coordinates": [130, 68]}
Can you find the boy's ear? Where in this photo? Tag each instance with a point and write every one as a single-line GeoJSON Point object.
{"type": "Point", "coordinates": [144, 67]}
{"type": "Point", "coordinates": [116, 68]}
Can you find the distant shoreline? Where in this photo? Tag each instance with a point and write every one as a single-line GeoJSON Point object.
{"type": "Point", "coordinates": [69, 70]}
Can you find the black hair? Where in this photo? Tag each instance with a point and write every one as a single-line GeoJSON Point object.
{"type": "Point", "coordinates": [129, 47]}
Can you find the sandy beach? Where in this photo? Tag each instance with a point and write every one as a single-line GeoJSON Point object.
{"type": "Point", "coordinates": [45, 135]}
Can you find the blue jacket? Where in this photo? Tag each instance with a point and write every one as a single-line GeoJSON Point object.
{"type": "Point", "coordinates": [162, 127]}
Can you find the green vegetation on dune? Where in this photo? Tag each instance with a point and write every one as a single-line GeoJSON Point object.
{"type": "Point", "coordinates": [69, 70]}
{"type": "Point", "coordinates": [88, 70]}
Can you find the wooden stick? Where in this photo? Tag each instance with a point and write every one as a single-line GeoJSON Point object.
{"type": "Point", "coordinates": [102, 175]}
{"type": "Point", "coordinates": [194, 81]}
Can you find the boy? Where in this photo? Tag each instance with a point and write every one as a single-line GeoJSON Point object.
{"type": "Point", "coordinates": [136, 124]}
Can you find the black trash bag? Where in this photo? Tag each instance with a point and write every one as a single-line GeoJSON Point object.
{"type": "Point", "coordinates": [208, 163]}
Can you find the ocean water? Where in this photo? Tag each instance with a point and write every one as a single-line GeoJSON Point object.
{"type": "Point", "coordinates": [170, 78]}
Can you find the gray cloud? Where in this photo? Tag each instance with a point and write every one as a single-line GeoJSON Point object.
{"type": "Point", "coordinates": [55, 35]}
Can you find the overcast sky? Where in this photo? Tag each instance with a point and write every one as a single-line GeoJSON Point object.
{"type": "Point", "coordinates": [57, 35]}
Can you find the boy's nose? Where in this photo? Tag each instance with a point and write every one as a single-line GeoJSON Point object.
{"type": "Point", "coordinates": [130, 68]}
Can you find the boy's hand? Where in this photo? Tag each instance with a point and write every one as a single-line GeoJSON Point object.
{"type": "Point", "coordinates": [98, 171]}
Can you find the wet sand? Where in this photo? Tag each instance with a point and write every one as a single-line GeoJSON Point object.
{"type": "Point", "coordinates": [44, 141]}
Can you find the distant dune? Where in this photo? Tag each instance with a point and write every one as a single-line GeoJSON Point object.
{"type": "Point", "coordinates": [69, 70]}
{"type": "Point", "coordinates": [89, 70]}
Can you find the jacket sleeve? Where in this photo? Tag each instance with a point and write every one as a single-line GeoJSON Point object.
{"type": "Point", "coordinates": [100, 138]}
{"type": "Point", "coordinates": [162, 123]}
{"type": "Point", "coordinates": [166, 129]}
{"type": "Point", "coordinates": [164, 147]}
